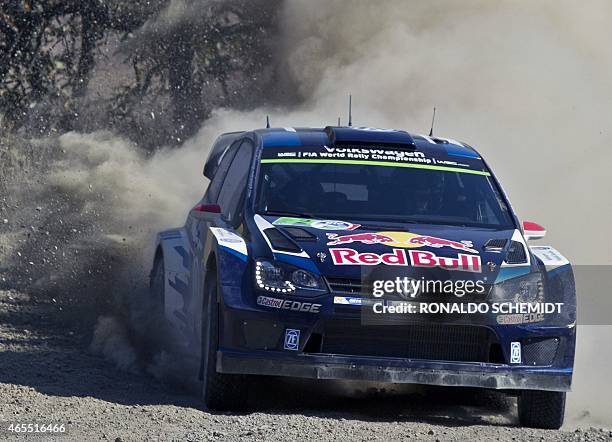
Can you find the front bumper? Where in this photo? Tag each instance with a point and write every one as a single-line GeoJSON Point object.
{"type": "Point", "coordinates": [394, 370]}
{"type": "Point", "coordinates": [334, 344]}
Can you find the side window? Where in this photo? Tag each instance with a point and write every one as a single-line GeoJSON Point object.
{"type": "Point", "coordinates": [212, 193]}
{"type": "Point", "coordinates": [230, 197]}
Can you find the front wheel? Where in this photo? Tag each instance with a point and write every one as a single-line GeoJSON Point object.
{"type": "Point", "coordinates": [223, 392]}
{"type": "Point", "coordinates": [541, 409]}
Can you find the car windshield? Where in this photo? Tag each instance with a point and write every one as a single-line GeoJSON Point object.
{"type": "Point", "coordinates": [383, 193]}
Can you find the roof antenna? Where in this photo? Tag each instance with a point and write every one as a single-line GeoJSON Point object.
{"type": "Point", "coordinates": [338, 121]}
{"type": "Point", "coordinates": [350, 123]}
{"type": "Point", "coordinates": [267, 121]}
{"type": "Point", "coordinates": [433, 120]}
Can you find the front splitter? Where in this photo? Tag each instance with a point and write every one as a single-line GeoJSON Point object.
{"type": "Point", "coordinates": [393, 370]}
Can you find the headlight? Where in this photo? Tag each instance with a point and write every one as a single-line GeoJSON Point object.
{"type": "Point", "coordinates": [278, 277]}
{"type": "Point", "coordinates": [529, 288]}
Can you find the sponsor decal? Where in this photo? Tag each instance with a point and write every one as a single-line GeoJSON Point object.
{"type": "Point", "coordinates": [456, 158]}
{"type": "Point", "coordinates": [288, 304]}
{"type": "Point", "coordinates": [292, 339]}
{"type": "Point", "coordinates": [369, 154]}
{"type": "Point", "coordinates": [347, 300]}
{"type": "Point", "coordinates": [398, 257]}
{"type": "Point", "coordinates": [230, 240]}
{"type": "Point", "coordinates": [525, 318]}
{"type": "Point", "coordinates": [468, 263]}
{"type": "Point", "coordinates": [383, 160]}
{"type": "Point", "coordinates": [342, 256]}
{"type": "Point", "coordinates": [316, 223]}
{"type": "Point", "coordinates": [515, 352]}
{"type": "Point", "coordinates": [365, 238]}
{"type": "Point", "coordinates": [400, 239]}
{"type": "Point", "coordinates": [550, 257]}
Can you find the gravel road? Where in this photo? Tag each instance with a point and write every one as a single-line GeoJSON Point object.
{"type": "Point", "coordinates": [50, 375]}
{"type": "Point", "coordinates": [60, 268]}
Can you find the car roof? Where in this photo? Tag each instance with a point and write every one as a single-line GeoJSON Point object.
{"type": "Point", "coordinates": [361, 136]}
{"type": "Point", "coordinates": [338, 136]}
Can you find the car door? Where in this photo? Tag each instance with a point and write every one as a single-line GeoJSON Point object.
{"type": "Point", "coordinates": [231, 200]}
{"type": "Point", "coordinates": [226, 191]}
{"type": "Point", "coordinates": [179, 302]}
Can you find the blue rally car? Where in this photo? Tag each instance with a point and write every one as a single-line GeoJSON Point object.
{"type": "Point", "coordinates": [269, 274]}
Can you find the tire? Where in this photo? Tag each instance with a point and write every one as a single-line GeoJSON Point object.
{"type": "Point", "coordinates": [147, 320]}
{"type": "Point", "coordinates": [221, 392]}
{"type": "Point", "coordinates": [541, 409]}
{"type": "Point", "coordinates": [157, 287]}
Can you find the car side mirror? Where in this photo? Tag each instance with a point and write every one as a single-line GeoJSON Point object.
{"type": "Point", "coordinates": [206, 212]}
{"type": "Point", "coordinates": [533, 230]}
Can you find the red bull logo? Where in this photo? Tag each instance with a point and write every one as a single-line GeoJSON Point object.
{"type": "Point", "coordinates": [400, 239]}
{"type": "Point", "coordinates": [399, 257]}
{"type": "Point", "coordinates": [432, 241]}
{"type": "Point", "coordinates": [466, 263]}
{"type": "Point", "coordinates": [343, 256]}
{"type": "Point", "coordinates": [366, 238]}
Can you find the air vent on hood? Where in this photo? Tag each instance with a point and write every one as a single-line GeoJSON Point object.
{"type": "Point", "coordinates": [280, 241]}
{"type": "Point", "coordinates": [495, 245]}
{"type": "Point", "coordinates": [345, 136]}
{"type": "Point", "coordinates": [299, 234]}
{"type": "Point", "coordinates": [440, 141]}
{"type": "Point", "coordinates": [516, 253]}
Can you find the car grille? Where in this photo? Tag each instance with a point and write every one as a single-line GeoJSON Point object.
{"type": "Point", "coordinates": [348, 287]}
{"type": "Point", "coordinates": [356, 287]}
{"type": "Point", "coordinates": [540, 351]}
{"type": "Point", "coordinates": [419, 341]}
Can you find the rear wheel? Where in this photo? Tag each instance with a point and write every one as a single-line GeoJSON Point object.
{"type": "Point", "coordinates": [223, 392]}
{"type": "Point", "coordinates": [157, 287]}
{"type": "Point", "coordinates": [147, 320]}
{"type": "Point", "coordinates": [541, 409]}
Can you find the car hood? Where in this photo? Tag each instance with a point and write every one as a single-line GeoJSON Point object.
{"type": "Point", "coordinates": [342, 249]}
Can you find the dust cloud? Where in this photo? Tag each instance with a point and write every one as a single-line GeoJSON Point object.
{"type": "Point", "coordinates": [526, 83]}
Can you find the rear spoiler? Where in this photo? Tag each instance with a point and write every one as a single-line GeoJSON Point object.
{"type": "Point", "coordinates": [216, 153]}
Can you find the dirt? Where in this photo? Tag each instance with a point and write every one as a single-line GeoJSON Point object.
{"type": "Point", "coordinates": [51, 375]}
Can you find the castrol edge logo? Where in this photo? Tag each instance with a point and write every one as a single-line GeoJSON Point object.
{"type": "Point", "coordinates": [399, 257]}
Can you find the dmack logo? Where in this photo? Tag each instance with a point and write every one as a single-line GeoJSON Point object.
{"type": "Point", "coordinates": [398, 257]}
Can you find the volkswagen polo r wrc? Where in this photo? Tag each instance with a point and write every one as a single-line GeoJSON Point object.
{"type": "Point", "coordinates": [272, 272]}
